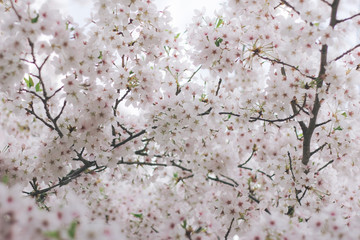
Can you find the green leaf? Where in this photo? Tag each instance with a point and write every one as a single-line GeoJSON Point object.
{"type": "Point", "coordinates": [5, 179]}
{"type": "Point", "coordinates": [37, 87]}
{"type": "Point", "coordinates": [35, 19]}
{"type": "Point", "coordinates": [218, 41]}
{"type": "Point", "coordinates": [29, 82]}
{"type": "Point", "coordinates": [72, 229]}
{"type": "Point", "coordinates": [52, 234]}
{"type": "Point", "coordinates": [100, 55]}
{"type": "Point", "coordinates": [199, 230]}
{"type": "Point", "coordinates": [184, 224]}
{"type": "Point", "coordinates": [177, 36]}
{"type": "Point", "coordinates": [338, 128]}
{"type": "Point", "coordinates": [344, 114]}
{"type": "Point", "coordinates": [176, 175]}
{"type": "Point", "coordinates": [137, 215]}
{"type": "Point", "coordinates": [218, 22]}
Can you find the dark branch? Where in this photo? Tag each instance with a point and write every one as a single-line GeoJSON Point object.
{"type": "Point", "coordinates": [349, 18]}
{"type": "Point", "coordinates": [218, 87]}
{"type": "Point", "coordinates": [232, 180]}
{"type": "Point", "coordinates": [73, 174]}
{"type": "Point", "coordinates": [318, 149]}
{"type": "Point", "coordinates": [194, 73]}
{"type": "Point", "coordinates": [229, 229]}
{"type": "Point", "coordinates": [216, 179]}
{"type": "Point", "coordinates": [229, 113]}
{"type": "Point", "coordinates": [323, 123]}
{"type": "Point", "coordinates": [118, 101]}
{"type": "Point", "coordinates": [328, 163]}
{"type": "Point", "coordinates": [268, 175]}
{"type": "Point", "coordinates": [285, 64]}
{"type": "Point", "coordinates": [291, 168]}
{"type": "Point", "coordinates": [207, 112]}
{"type": "Point", "coordinates": [252, 154]}
{"type": "Point", "coordinates": [334, 8]}
{"type": "Point", "coordinates": [326, 2]}
{"type": "Point", "coordinates": [290, 6]}
{"type": "Point", "coordinates": [128, 139]}
{"type": "Point", "coordinates": [179, 166]}
{"type": "Point", "coordinates": [343, 54]}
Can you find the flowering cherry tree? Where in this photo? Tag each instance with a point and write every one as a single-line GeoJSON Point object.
{"type": "Point", "coordinates": [246, 125]}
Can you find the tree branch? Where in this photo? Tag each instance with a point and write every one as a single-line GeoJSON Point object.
{"type": "Point", "coordinates": [349, 18]}
{"type": "Point", "coordinates": [216, 179]}
{"type": "Point", "coordinates": [285, 64]}
{"type": "Point", "coordinates": [343, 54]}
{"type": "Point", "coordinates": [118, 101]}
{"type": "Point", "coordinates": [229, 113]}
{"type": "Point", "coordinates": [229, 229]}
{"type": "Point", "coordinates": [323, 123]}
{"type": "Point", "coordinates": [128, 139]}
{"type": "Point", "coordinates": [318, 149]}
{"type": "Point", "coordinates": [290, 6]}
{"type": "Point", "coordinates": [326, 2]}
{"type": "Point", "coordinates": [328, 163]}
{"type": "Point", "coordinates": [218, 87]}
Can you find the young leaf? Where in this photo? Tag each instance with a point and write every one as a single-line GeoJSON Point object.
{"type": "Point", "coordinates": [137, 215]}
{"type": "Point", "coordinates": [177, 36]}
{"type": "Point", "coordinates": [31, 82]}
{"type": "Point", "coordinates": [218, 41]}
{"type": "Point", "coordinates": [5, 179]}
{"type": "Point", "coordinates": [219, 22]}
{"type": "Point", "coordinates": [100, 55]}
{"type": "Point", "coordinates": [52, 234]}
{"type": "Point", "coordinates": [37, 87]}
{"type": "Point", "coordinates": [72, 230]}
{"type": "Point", "coordinates": [27, 82]}
{"type": "Point", "coordinates": [338, 128]}
{"type": "Point", "coordinates": [35, 19]}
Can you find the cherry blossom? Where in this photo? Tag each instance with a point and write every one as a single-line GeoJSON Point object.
{"type": "Point", "coordinates": [242, 127]}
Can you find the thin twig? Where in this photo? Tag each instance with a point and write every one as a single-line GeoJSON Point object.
{"type": "Point", "coordinates": [229, 229]}
{"type": "Point", "coordinates": [216, 179]}
{"type": "Point", "coordinates": [236, 184]}
{"type": "Point", "coordinates": [318, 149]}
{"type": "Point", "coordinates": [207, 112]}
{"type": "Point", "coordinates": [328, 163]}
{"type": "Point", "coordinates": [194, 73]}
{"type": "Point", "coordinates": [251, 155]}
{"type": "Point", "coordinates": [118, 101]}
{"type": "Point", "coordinates": [218, 87]}
{"type": "Point", "coordinates": [290, 6]}
{"type": "Point", "coordinates": [291, 168]}
{"type": "Point", "coordinates": [343, 54]}
{"type": "Point", "coordinates": [348, 18]}
{"type": "Point", "coordinates": [326, 2]}
{"type": "Point", "coordinates": [128, 139]}
{"type": "Point", "coordinates": [230, 113]}
{"type": "Point", "coordinates": [323, 123]}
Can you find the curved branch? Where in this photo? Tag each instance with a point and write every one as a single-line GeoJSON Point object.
{"type": "Point", "coordinates": [348, 18]}
{"type": "Point", "coordinates": [344, 53]}
{"type": "Point", "coordinates": [285, 64]}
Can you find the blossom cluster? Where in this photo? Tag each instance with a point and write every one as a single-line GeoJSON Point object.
{"type": "Point", "coordinates": [245, 125]}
